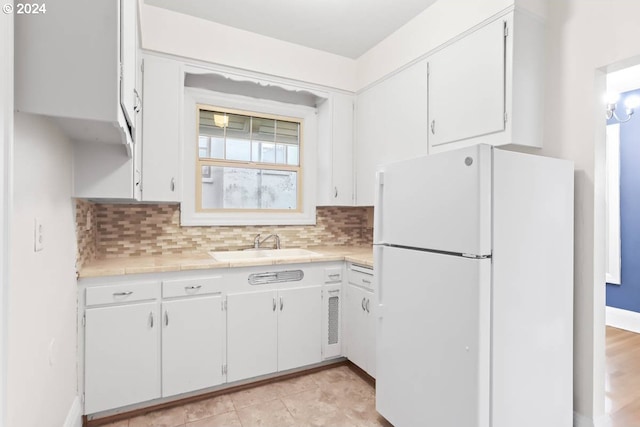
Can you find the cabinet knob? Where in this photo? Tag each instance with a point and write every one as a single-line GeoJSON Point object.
{"type": "Point", "coordinates": [433, 127]}
{"type": "Point", "coordinates": [151, 319]}
{"type": "Point", "coordinates": [172, 186]}
{"type": "Point", "coordinates": [362, 304]}
{"type": "Point", "coordinates": [367, 305]}
{"type": "Point", "coordinates": [166, 318]}
{"type": "Point", "coordinates": [274, 303]}
{"type": "Point", "coordinates": [281, 304]}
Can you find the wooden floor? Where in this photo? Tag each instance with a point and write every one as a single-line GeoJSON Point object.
{"type": "Point", "coordinates": [623, 378]}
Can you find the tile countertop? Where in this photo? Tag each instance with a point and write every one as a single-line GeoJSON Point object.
{"type": "Point", "coordinates": [179, 262]}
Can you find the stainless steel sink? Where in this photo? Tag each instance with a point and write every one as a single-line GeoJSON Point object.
{"type": "Point", "coordinates": [262, 254]}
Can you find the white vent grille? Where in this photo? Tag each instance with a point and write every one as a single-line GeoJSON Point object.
{"type": "Point", "coordinates": [334, 311]}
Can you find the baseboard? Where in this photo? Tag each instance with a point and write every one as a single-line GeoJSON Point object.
{"type": "Point", "coordinates": [74, 416]}
{"type": "Point", "coordinates": [582, 421]}
{"type": "Point", "coordinates": [623, 319]}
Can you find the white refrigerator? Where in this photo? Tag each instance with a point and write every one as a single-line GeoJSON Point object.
{"type": "Point", "coordinates": [474, 278]}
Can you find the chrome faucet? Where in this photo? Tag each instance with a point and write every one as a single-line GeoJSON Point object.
{"type": "Point", "coordinates": [257, 242]}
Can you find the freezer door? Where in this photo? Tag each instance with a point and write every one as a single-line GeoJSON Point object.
{"type": "Point", "coordinates": [433, 339]}
{"type": "Point", "coordinates": [440, 202]}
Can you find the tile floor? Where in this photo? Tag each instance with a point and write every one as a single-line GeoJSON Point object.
{"type": "Point", "coordinates": [335, 397]}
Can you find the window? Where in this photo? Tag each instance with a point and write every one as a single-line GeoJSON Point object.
{"type": "Point", "coordinates": [248, 161]}
{"type": "Point", "coordinates": [241, 146]}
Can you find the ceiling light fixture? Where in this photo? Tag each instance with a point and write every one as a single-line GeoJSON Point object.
{"type": "Point", "coordinates": [630, 103]}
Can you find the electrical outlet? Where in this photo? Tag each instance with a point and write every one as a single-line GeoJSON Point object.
{"type": "Point", "coordinates": [38, 235]}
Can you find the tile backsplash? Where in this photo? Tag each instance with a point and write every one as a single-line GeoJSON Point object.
{"type": "Point", "coordinates": [122, 230]}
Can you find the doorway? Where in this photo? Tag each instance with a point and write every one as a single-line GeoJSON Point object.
{"type": "Point", "coordinates": [622, 228]}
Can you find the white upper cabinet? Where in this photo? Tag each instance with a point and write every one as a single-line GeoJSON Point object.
{"type": "Point", "coordinates": [161, 150]}
{"type": "Point", "coordinates": [466, 87]}
{"type": "Point", "coordinates": [335, 151]}
{"type": "Point", "coordinates": [391, 125]}
{"type": "Point", "coordinates": [76, 62]}
{"type": "Point", "coordinates": [487, 86]}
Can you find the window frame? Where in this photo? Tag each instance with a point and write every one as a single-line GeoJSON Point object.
{"type": "Point", "coordinates": [299, 169]}
{"type": "Point", "coordinates": [189, 217]}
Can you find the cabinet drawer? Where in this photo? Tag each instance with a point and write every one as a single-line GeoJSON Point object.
{"type": "Point", "coordinates": [189, 287]}
{"type": "Point", "coordinates": [360, 276]}
{"type": "Point", "coordinates": [115, 294]}
{"type": "Point", "coordinates": [332, 275]}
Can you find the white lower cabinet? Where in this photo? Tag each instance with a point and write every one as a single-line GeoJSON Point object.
{"type": "Point", "coordinates": [193, 334]}
{"type": "Point", "coordinates": [299, 323]}
{"type": "Point", "coordinates": [272, 331]}
{"type": "Point", "coordinates": [159, 336]}
{"type": "Point", "coordinates": [360, 328]}
{"type": "Point", "coordinates": [252, 334]}
{"type": "Point", "coordinates": [122, 362]}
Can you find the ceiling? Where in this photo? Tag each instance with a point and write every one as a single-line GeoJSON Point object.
{"type": "Point", "coordinates": [343, 27]}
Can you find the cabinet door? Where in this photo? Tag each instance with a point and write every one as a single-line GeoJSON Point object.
{"type": "Point", "coordinates": [342, 150]}
{"type": "Point", "coordinates": [128, 48]}
{"type": "Point", "coordinates": [467, 87]}
{"type": "Point", "coordinates": [335, 151]}
{"type": "Point", "coordinates": [192, 344]}
{"type": "Point", "coordinates": [122, 356]}
{"type": "Point", "coordinates": [358, 334]}
{"type": "Point", "coordinates": [299, 322]}
{"type": "Point", "coordinates": [161, 130]}
{"type": "Point", "coordinates": [252, 335]}
{"type": "Point", "coordinates": [390, 126]}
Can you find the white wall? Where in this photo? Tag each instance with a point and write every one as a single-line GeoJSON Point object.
{"type": "Point", "coordinates": [187, 36]}
{"type": "Point", "coordinates": [42, 377]}
{"type": "Point", "coordinates": [574, 129]}
{"type": "Point", "coordinates": [6, 136]}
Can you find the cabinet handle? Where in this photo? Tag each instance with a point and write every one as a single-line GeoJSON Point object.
{"type": "Point", "coordinates": [173, 184]}
{"type": "Point", "coordinates": [122, 294]}
{"type": "Point", "coordinates": [137, 101]}
{"type": "Point", "coordinates": [433, 127]}
{"type": "Point", "coordinates": [362, 304]}
{"type": "Point", "coordinates": [335, 192]}
{"type": "Point", "coordinates": [334, 291]}
{"type": "Point", "coordinates": [367, 305]}
{"type": "Point", "coordinates": [151, 319]}
{"type": "Point", "coordinates": [281, 304]}
{"type": "Point", "coordinates": [334, 276]}
{"type": "Point", "coordinates": [368, 282]}
{"type": "Point", "coordinates": [192, 288]}
{"type": "Point", "coordinates": [274, 303]}
{"type": "Point", "coordinates": [166, 318]}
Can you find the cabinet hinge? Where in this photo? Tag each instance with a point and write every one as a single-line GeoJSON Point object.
{"type": "Point", "coordinates": [224, 369]}
{"type": "Point", "coordinates": [82, 398]}
{"type": "Point", "coordinates": [505, 117]}
{"type": "Point", "coordinates": [428, 69]}
{"type": "Point", "coordinates": [121, 71]}
{"type": "Point", "coordinates": [84, 320]}
{"type": "Point", "coordinates": [506, 29]}
{"type": "Point", "coordinates": [142, 66]}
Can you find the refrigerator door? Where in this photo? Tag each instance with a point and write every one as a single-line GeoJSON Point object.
{"type": "Point", "coordinates": [440, 202]}
{"type": "Point", "coordinates": [433, 341]}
